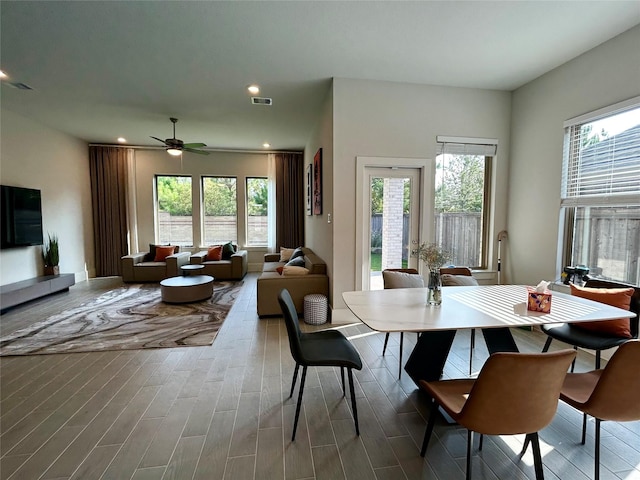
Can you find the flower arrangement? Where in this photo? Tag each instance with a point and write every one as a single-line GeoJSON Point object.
{"type": "Point", "coordinates": [432, 255]}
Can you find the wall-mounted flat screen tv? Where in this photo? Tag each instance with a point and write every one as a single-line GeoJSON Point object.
{"type": "Point", "coordinates": [21, 217]}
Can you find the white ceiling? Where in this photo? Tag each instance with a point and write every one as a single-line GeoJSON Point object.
{"type": "Point", "coordinates": [103, 69]}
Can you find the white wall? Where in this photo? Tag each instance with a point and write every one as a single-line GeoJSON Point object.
{"type": "Point", "coordinates": [603, 76]}
{"type": "Point", "coordinates": [387, 119]}
{"type": "Point", "coordinates": [149, 163]}
{"type": "Point", "coordinates": [36, 156]}
{"type": "Point", "coordinates": [319, 234]}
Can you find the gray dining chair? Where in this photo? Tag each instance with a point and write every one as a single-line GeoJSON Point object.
{"type": "Point", "coordinates": [461, 277]}
{"type": "Point", "coordinates": [325, 348]}
{"type": "Point", "coordinates": [400, 278]}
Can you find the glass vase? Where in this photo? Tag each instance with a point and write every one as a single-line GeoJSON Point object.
{"type": "Point", "coordinates": [434, 292]}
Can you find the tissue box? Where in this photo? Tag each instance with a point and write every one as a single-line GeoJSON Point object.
{"type": "Point", "coordinates": [538, 302]}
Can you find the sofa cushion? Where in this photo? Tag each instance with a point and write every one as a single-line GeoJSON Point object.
{"type": "Point", "coordinates": [296, 262]}
{"type": "Point", "coordinates": [163, 251]}
{"type": "Point", "coordinates": [214, 253]}
{"type": "Point", "coordinates": [285, 254]}
{"type": "Point", "coordinates": [290, 270]}
{"type": "Point", "coordinates": [402, 280]}
{"type": "Point", "coordinates": [227, 250]}
{"type": "Point", "coordinates": [449, 280]}
{"type": "Point", "coordinates": [151, 255]}
{"type": "Point", "coordinates": [616, 297]}
{"type": "Point", "coordinates": [271, 266]}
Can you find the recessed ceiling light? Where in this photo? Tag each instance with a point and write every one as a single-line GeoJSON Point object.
{"type": "Point", "coordinates": [122, 139]}
{"type": "Point", "coordinates": [3, 75]}
{"type": "Point", "coordinates": [266, 145]}
{"type": "Point", "coordinates": [253, 89]}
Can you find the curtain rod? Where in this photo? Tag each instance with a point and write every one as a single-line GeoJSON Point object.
{"type": "Point", "coordinates": [220, 150]}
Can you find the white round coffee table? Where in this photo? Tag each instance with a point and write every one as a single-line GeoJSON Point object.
{"type": "Point", "coordinates": [193, 288]}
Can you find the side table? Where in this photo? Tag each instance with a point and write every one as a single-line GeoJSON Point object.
{"type": "Point", "coordinates": [191, 269]}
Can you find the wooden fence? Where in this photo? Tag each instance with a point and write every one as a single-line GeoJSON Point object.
{"type": "Point", "coordinates": [178, 230]}
{"type": "Point", "coordinates": [461, 234]}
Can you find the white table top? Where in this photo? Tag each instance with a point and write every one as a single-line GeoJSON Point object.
{"type": "Point", "coordinates": [190, 281]}
{"type": "Point", "coordinates": [484, 306]}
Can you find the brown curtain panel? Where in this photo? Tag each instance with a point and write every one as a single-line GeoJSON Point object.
{"type": "Point", "coordinates": [108, 170]}
{"type": "Point", "coordinates": [290, 202]}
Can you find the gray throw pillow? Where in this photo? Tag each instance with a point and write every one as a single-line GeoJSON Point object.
{"type": "Point", "coordinates": [449, 280]}
{"type": "Point", "coordinates": [402, 280]}
{"type": "Point", "coordinates": [297, 253]}
{"type": "Point", "coordinates": [295, 262]}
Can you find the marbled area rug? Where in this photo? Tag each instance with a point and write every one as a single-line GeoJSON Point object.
{"type": "Point", "coordinates": [127, 318]}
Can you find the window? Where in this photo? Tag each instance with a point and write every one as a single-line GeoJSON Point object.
{"type": "Point", "coordinates": [463, 178]}
{"type": "Point", "coordinates": [257, 211]}
{"type": "Point", "coordinates": [174, 210]}
{"type": "Point", "coordinates": [600, 198]}
{"type": "Point", "coordinates": [220, 202]}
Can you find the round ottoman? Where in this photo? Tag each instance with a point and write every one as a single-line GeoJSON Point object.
{"type": "Point", "coordinates": [315, 309]}
{"type": "Point", "coordinates": [193, 288]}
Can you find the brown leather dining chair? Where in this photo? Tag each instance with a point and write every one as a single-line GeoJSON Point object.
{"type": "Point", "coordinates": [515, 393]}
{"type": "Point", "coordinates": [461, 276]}
{"type": "Point", "coordinates": [400, 278]}
{"type": "Point", "coordinates": [611, 393]}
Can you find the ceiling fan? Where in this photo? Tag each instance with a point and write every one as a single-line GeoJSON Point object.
{"type": "Point", "coordinates": [175, 146]}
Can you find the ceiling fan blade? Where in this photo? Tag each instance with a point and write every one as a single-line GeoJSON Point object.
{"type": "Point", "coordinates": [194, 145]}
{"type": "Point", "coordinates": [193, 150]}
{"type": "Point", "coordinates": [160, 140]}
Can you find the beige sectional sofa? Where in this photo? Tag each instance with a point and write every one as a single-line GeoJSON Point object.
{"type": "Point", "coordinates": [235, 268]}
{"type": "Point", "coordinates": [270, 283]}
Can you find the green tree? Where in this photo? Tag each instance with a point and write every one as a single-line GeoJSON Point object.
{"type": "Point", "coordinates": [589, 137]}
{"type": "Point", "coordinates": [174, 195]}
{"type": "Point", "coordinates": [258, 196]}
{"type": "Point", "coordinates": [220, 196]}
{"type": "Point", "coordinates": [461, 185]}
{"type": "Point", "coordinates": [377, 195]}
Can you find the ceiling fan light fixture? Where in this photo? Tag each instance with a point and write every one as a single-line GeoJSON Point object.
{"type": "Point", "coordinates": [174, 146]}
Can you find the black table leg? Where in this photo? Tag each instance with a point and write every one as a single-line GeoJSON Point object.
{"type": "Point", "coordinates": [428, 357]}
{"type": "Point", "coordinates": [499, 340]}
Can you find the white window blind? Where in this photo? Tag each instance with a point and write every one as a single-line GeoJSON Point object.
{"type": "Point", "coordinates": [486, 147]}
{"type": "Point", "coordinates": [601, 160]}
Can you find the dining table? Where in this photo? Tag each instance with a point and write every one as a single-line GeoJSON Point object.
{"type": "Point", "coordinates": [494, 309]}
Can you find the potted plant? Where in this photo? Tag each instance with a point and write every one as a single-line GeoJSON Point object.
{"type": "Point", "coordinates": [51, 255]}
{"type": "Point", "coordinates": [434, 257]}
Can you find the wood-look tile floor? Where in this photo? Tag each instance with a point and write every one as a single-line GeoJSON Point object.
{"type": "Point", "coordinates": [221, 412]}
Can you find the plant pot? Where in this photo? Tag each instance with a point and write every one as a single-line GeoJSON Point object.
{"type": "Point", "coordinates": [52, 270]}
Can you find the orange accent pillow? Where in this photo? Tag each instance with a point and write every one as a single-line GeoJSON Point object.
{"type": "Point", "coordinates": [279, 270]}
{"type": "Point", "coordinates": [162, 252]}
{"type": "Point", "coordinates": [214, 253]}
{"type": "Point", "coordinates": [616, 297]}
